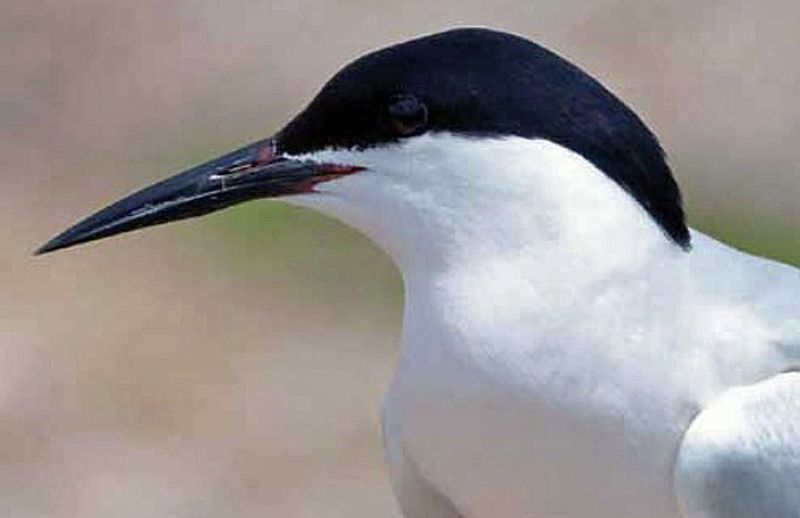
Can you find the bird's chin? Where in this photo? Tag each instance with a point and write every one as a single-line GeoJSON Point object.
{"type": "Point", "coordinates": [327, 200]}
{"type": "Point", "coordinates": [335, 192]}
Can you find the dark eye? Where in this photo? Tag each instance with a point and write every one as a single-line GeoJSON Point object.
{"type": "Point", "coordinates": [407, 115]}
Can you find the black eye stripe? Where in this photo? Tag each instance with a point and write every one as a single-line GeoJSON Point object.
{"type": "Point", "coordinates": [407, 114]}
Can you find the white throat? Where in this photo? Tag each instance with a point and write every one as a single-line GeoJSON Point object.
{"type": "Point", "coordinates": [442, 201]}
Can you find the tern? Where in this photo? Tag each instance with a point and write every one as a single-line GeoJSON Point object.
{"type": "Point", "coordinates": [570, 347]}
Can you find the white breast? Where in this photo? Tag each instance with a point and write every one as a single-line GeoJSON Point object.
{"type": "Point", "coordinates": [516, 418]}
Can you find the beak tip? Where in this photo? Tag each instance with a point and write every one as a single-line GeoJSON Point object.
{"type": "Point", "coordinates": [61, 241]}
{"type": "Point", "coordinates": [50, 246]}
{"type": "Point", "coordinates": [248, 173]}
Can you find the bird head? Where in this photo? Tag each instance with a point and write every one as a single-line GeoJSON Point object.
{"type": "Point", "coordinates": [421, 141]}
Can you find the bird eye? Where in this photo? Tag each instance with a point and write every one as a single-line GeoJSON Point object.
{"type": "Point", "coordinates": [407, 115]}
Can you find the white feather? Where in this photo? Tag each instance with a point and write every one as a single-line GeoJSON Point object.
{"type": "Point", "coordinates": [556, 344]}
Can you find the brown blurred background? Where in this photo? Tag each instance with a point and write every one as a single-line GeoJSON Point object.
{"type": "Point", "coordinates": [233, 366]}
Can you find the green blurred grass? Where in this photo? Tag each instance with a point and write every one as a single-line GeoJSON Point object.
{"type": "Point", "coordinates": [323, 260]}
{"type": "Point", "coordinates": [763, 237]}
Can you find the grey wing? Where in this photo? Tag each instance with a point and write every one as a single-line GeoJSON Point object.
{"type": "Point", "coordinates": [417, 497]}
{"type": "Point", "coordinates": [740, 458]}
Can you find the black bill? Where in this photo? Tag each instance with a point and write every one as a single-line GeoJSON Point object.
{"type": "Point", "coordinates": [254, 171]}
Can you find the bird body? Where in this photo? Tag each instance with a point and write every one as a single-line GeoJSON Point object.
{"type": "Point", "coordinates": [570, 347]}
{"type": "Point", "coordinates": [558, 420]}
{"type": "Point", "coordinates": [568, 372]}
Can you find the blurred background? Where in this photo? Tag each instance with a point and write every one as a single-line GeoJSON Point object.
{"type": "Point", "coordinates": [233, 366]}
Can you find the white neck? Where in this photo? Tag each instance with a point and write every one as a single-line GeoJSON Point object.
{"type": "Point", "coordinates": [442, 202]}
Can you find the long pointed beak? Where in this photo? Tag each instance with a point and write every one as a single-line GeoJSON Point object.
{"type": "Point", "coordinates": [254, 171]}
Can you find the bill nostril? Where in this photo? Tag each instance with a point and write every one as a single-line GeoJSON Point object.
{"type": "Point", "coordinates": [240, 168]}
